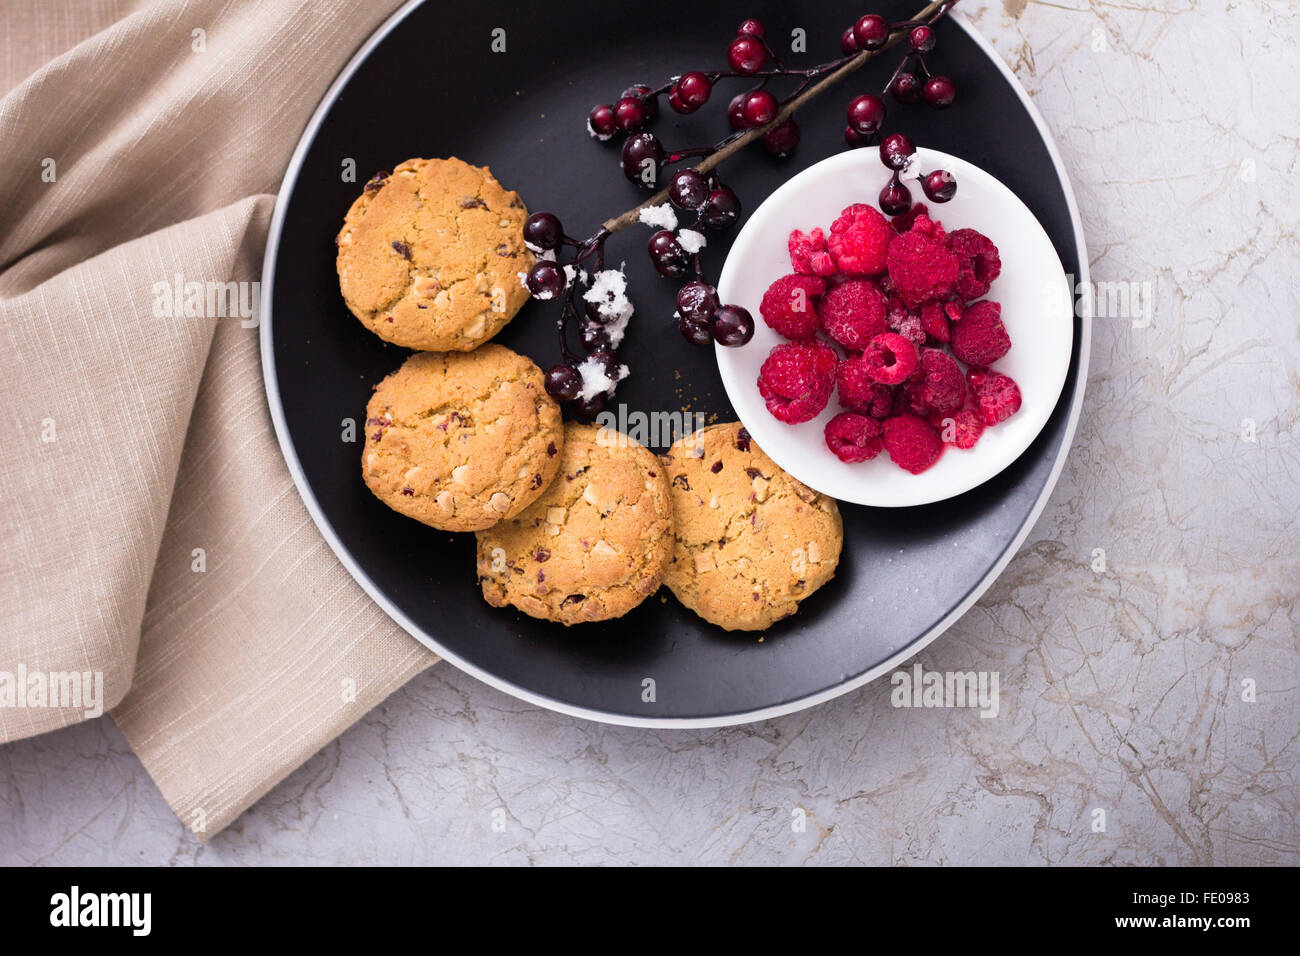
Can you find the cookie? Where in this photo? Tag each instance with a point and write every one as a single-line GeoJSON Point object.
{"type": "Point", "coordinates": [429, 257]}
{"type": "Point", "coordinates": [595, 545]}
{"type": "Point", "coordinates": [751, 541]}
{"type": "Point", "coordinates": [462, 440]}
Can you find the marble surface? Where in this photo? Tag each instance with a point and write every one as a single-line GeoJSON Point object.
{"type": "Point", "coordinates": [1159, 588]}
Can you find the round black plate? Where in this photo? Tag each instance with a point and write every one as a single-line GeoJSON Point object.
{"type": "Point", "coordinates": [428, 84]}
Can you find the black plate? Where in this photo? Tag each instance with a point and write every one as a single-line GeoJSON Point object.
{"type": "Point", "coordinates": [428, 85]}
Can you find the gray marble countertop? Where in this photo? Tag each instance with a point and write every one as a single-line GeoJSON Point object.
{"type": "Point", "coordinates": [1145, 636]}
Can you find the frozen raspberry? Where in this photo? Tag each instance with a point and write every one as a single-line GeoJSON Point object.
{"type": "Point", "coordinates": [790, 305]}
{"type": "Point", "coordinates": [809, 255]}
{"type": "Point", "coordinates": [796, 381]}
{"type": "Point", "coordinates": [996, 396]}
{"type": "Point", "coordinates": [858, 391]}
{"type": "Point", "coordinates": [890, 358]}
{"type": "Point", "coordinates": [953, 310]}
{"type": "Point", "coordinates": [978, 263]}
{"type": "Point", "coordinates": [904, 222]}
{"type": "Point", "coordinates": [853, 313]}
{"type": "Point", "coordinates": [935, 321]}
{"type": "Point", "coordinates": [912, 443]}
{"type": "Point", "coordinates": [854, 437]}
{"type": "Point", "coordinates": [980, 338]}
{"type": "Point", "coordinates": [920, 267]}
{"type": "Point", "coordinates": [941, 387]}
{"type": "Point", "coordinates": [859, 240]}
{"type": "Point", "coordinates": [906, 323]}
{"type": "Point", "coordinates": [926, 226]}
{"type": "Point", "coordinates": [961, 428]}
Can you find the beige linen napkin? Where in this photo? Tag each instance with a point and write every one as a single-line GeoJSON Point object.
{"type": "Point", "coordinates": [150, 531]}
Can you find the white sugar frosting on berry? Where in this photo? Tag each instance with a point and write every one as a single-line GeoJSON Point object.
{"type": "Point", "coordinates": [608, 293]}
{"type": "Point", "coordinates": [691, 241]}
{"type": "Point", "coordinates": [659, 217]}
{"type": "Point", "coordinates": [597, 381]}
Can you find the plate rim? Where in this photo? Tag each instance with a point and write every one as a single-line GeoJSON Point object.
{"type": "Point", "coordinates": [305, 493]}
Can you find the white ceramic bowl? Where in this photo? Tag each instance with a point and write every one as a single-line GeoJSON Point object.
{"type": "Point", "coordinates": [1037, 308]}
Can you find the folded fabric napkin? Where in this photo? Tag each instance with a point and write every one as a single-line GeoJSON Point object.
{"type": "Point", "coordinates": [157, 561]}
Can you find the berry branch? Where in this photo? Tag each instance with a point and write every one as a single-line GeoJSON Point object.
{"type": "Point", "coordinates": [839, 69]}
{"type": "Point", "coordinates": [697, 191]}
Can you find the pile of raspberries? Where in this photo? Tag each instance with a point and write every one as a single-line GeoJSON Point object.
{"type": "Point", "coordinates": [889, 315]}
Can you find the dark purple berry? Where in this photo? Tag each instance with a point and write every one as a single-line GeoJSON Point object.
{"type": "Point", "coordinates": [781, 140]}
{"type": "Point", "coordinates": [642, 92]}
{"type": "Point", "coordinates": [643, 158]}
{"type": "Point", "coordinates": [543, 231]}
{"type": "Point", "coordinates": [688, 189]}
{"type": "Point", "coordinates": [721, 209]}
{"type": "Point", "coordinates": [758, 108]}
{"type": "Point", "coordinates": [939, 92]}
{"type": "Point", "coordinates": [896, 149]}
{"type": "Point", "coordinates": [594, 336]}
{"type": "Point", "coordinates": [563, 383]}
{"type": "Point", "coordinates": [866, 114]}
{"type": "Point", "coordinates": [608, 360]}
{"type": "Point", "coordinates": [733, 326]}
{"type": "Point", "coordinates": [589, 408]}
{"type": "Point", "coordinates": [853, 138]}
{"type": "Point", "coordinates": [848, 42]}
{"type": "Point", "coordinates": [601, 121]}
{"type": "Point", "coordinates": [895, 199]}
{"type": "Point", "coordinates": [940, 185]}
{"type": "Point", "coordinates": [695, 331]}
{"type": "Point", "coordinates": [630, 114]}
{"type": "Point", "coordinates": [752, 28]}
{"type": "Point", "coordinates": [906, 88]}
{"type": "Point", "coordinates": [871, 32]}
{"type": "Point", "coordinates": [545, 279]}
{"type": "Point", "coordinates": [734, 108]}
{"type": "Point", "coordinates": [697, 301]}
{"type": "Point", "coordinates": [921, 39]}
{"type": "Point", "coordinates": [667, 255]}
{"type": "Point", "coordinates": [693, 90]}
{"type": "Point", "coordinates": [747, 54]}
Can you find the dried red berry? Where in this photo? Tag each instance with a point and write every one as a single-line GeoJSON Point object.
{"type": "Point", "coordinates": [789, 305]}
{"type": "Point", "coordinates": [796, 381]}
{"type": "Point", "coordinates": [853, 313]}
{"type": "Point", "coordinates": [890, 358]}
{"type": "Point", "coordinates": [980, 338]}
{"type": "Point", "coordinates": [853, 437]}
{"type": "Point", "coordinates": [913, 443]}
{"type": "Point", "coordinates": [860, 239]}
{"type": "Point", "coordinates": [920, 266]}
{"type": "Point", "coordinates": [809, 255]}
{"type": "Point", "coordinates": [978, 262]}
{"type": "Point", "coordinates": [996, 395]}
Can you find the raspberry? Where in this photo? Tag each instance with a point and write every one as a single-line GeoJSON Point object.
{"type": "Point", "coordinates": [790, 305]}
{"type": "Point", "coordinates": [853, 312]}
{"type": "Point", "coordinates": [808, 254]}
{"type": "Point", "coordinates": [859, 392]}
{"type": "Point", "coordinates": [860, 239]}
{"type": "Point", "coordinates": [978, 263]}
{"type": "Point", "coordinates": [912, 443]}
{"type": "Point", "coordinates": [904, 222]}
{"type": "Point", "coordinates": [796, 381]}
{"type": "Point", "coordinates": [953, 310]}
{"type": "Point", "coordinates": [854, 437]}
{"type": "Point", "coordinates": [920, 267]}
{"type": "Point", "coordinates": [941, 388]}
{"type": "Point", "coordinates": [905, 323]}
{"type": "Point", "coordinates": [997, 396]}
{"type": "Point", "coordinates": [890, 358]}
{"type": "Point", "coordinates": [980, 338]}
{"type": "Point", "coordinates": [934, 321]}
{"type": "Point", "coordinates": [926, 226]}
{"type": "Point", "coordinates": [961, 428]}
